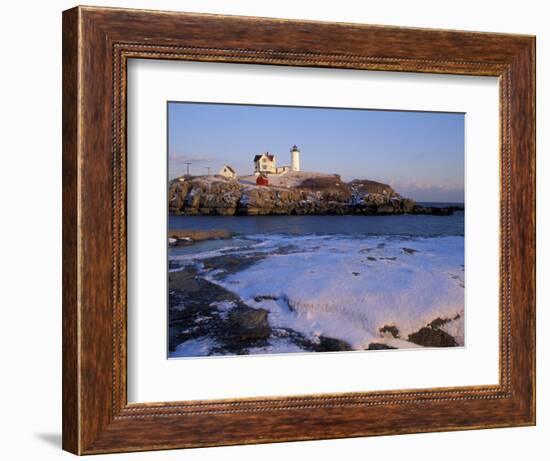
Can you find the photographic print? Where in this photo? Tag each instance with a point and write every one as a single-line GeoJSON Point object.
{"type": "Point", "coordinates": [313, 229]}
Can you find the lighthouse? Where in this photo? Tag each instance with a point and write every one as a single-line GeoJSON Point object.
{"type": "Point", "coordinates": [295, 158]}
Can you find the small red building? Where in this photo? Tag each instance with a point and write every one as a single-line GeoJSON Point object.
{"type": "Point", "coordinates": [262, 180]}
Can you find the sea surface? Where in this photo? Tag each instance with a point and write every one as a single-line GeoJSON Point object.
{"type": "Point", "coordinates": [342, 277]}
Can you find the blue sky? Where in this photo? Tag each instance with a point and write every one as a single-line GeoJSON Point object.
{"type": "Point", "coordinates": [421, 154]}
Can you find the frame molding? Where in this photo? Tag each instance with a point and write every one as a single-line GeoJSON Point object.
{"type": "Point", "coordinates": [97, 43]}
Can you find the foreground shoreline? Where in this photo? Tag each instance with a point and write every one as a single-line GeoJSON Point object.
{"type": "Point", "coordinates": [238, 329]}
{"type": "Point", "coordinates": [219, 307]}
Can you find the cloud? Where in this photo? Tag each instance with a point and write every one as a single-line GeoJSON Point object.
{"type": "Point", "coordinates": [196, 158]}
{"type": "Point", "coordinates": [425, 191]}
{"type": "Point", "coordinates": [419, 185]}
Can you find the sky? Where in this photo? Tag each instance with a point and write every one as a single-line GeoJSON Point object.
{"type": "Point", "coordinates": [420, 154]}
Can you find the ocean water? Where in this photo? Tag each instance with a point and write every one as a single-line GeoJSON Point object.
{"type": "Point", "coordinates": [342, 277]}
{"type": "Point", "coordinates": [406, 225]}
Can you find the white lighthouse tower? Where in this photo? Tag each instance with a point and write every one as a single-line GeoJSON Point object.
{"type": "Point", "coordinates": [295, 158]}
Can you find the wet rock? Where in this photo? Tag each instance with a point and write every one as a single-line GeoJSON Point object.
{"type": "Point", "coordinates": [409, 251]}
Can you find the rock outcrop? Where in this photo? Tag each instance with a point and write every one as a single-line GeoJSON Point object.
{"type": "Point", "coordinates": [325, 195]}
{"type": "Point", "coordinates": [200, 196]}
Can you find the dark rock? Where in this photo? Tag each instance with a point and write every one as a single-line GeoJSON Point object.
{"type": "Point", "coordinates": [248, 323]}
{"type": "Point", "coordinates": [436, 211]}
{"type": "Point", "coordinates": [330, 188]}
{"type": "Point", "coordinates": [439, 322]}
{"type": "Point", "coordinates": [408, 205]}
{"type": "Point", "coordinates": [429, 337]}
{"type": "Point", "coordinates": [379, 346]}
{"type": "Point", "coordinates": [286, 249]}
{"type": "Point", "coordinates": [409, 251]}
{"type": "Point", "coordinates": [176, 196]}
{"type": "Point", "coordinates": [392, 329]}
{"type": "Point", "coordinates": [193, 198]}
{"type": "Point", "coordinates": [197, 235]}
{"type": "Point", "coordinates": [229, 264]}
{"type": "Point", "coordinates": [228, 211]}
{"type": "Point", "coordinates": [173, 264]}
{"type": "Point", "coordinates": [261, 298]}
{"type": "Point", "coordinates": [327, 344]}
{"type": "Point", "coordinates": [365, 186]}
{"type": "Point", "coordinates": [183, 281]}
{"type": "Point", "coordinates": [193, 314]}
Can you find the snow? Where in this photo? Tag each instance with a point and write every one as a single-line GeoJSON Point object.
{"type": "Point", "coordinates": [277, 346]}
{"type": "Point", "coordinates": [288, 179]}
{"type": "Point", "coordinates": [223, 307]}
{"type": "Point", "coordinates": [456, 329]}
{"type": "Point", "coordinates": [349, 287]}
{"type": "Point", "coordinates": [194, 348]}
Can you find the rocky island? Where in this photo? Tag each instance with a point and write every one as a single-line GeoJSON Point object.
{"type": "Point", "coordinates": [294, 193]}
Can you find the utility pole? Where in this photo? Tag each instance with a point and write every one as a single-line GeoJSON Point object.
{"type": "Point", "coordinates": [208, 169]}
{"type": "Point", "coordinates": [187, 163]}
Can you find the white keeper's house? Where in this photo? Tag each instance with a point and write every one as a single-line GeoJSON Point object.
{"type": "Point", "coordinates": [228, 172]}
{"type": "Point", "coordinates": [266, 163]}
